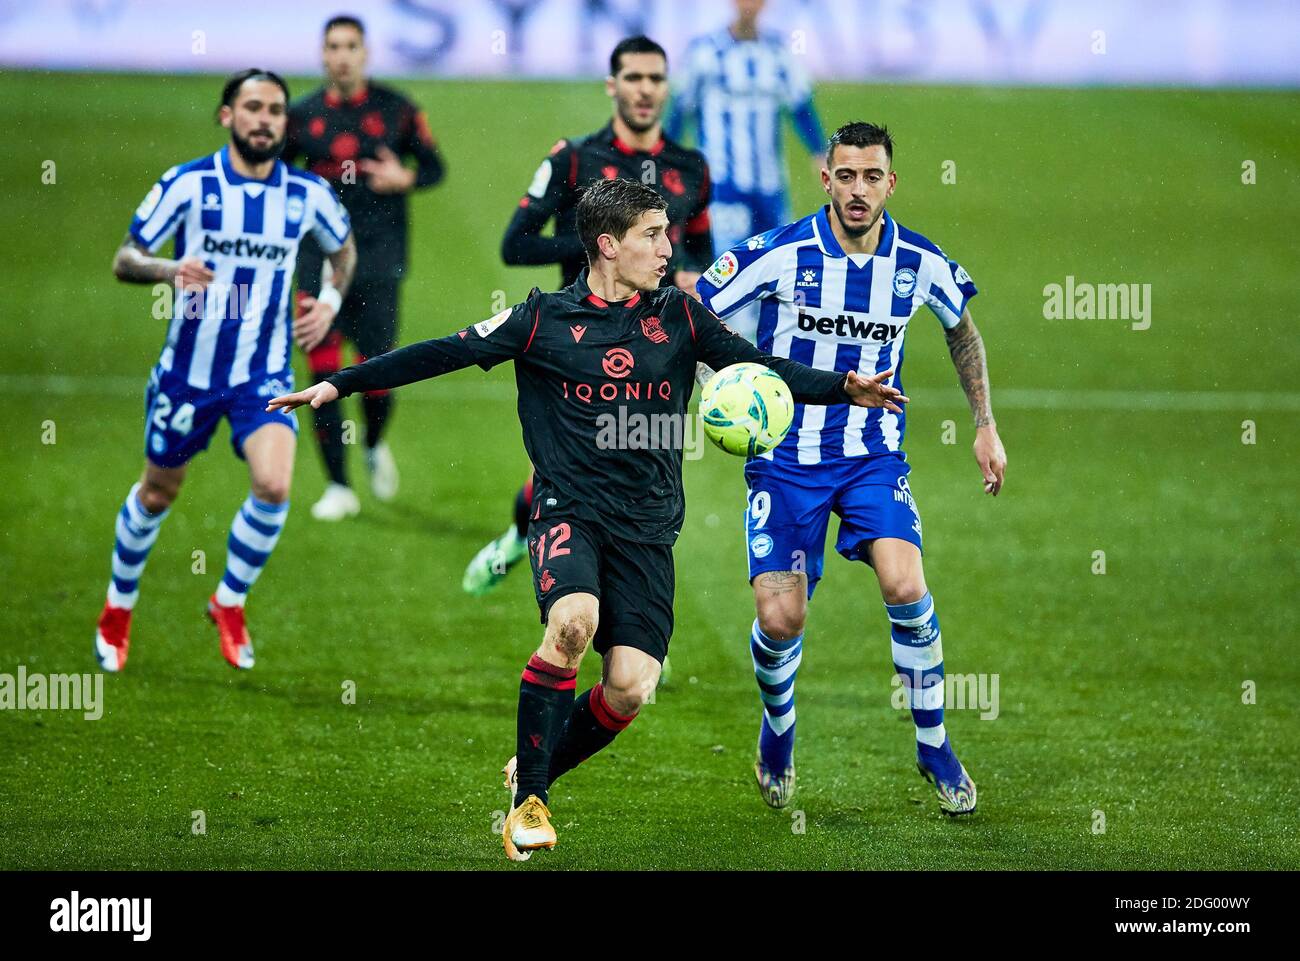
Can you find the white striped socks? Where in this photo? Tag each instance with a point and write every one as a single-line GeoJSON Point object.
{"type": "Point", "coordinates": [137, 530]}
{"type": "Point", "coordinates": [253, 535]}
{"type": "Point", "coordinates": [918, 659]}
{"type": "Point", "coordinates": [775, 665]}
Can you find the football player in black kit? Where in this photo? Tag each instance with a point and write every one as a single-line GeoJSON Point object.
{"type": "Point", "coordinates": [631, 146]}
{"type": "Point", "coordinates": [605, 516]}
{"type": "Point", "coordinates": [356, 134]}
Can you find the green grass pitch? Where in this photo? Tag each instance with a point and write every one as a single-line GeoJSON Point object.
{"type": "Point", "coordinates": [1120, 694]}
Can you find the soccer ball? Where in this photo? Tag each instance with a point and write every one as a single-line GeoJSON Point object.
{"type": "Point", "coordinates": [747, 409]}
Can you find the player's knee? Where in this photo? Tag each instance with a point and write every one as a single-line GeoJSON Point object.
{"type": "Point", "coordinates": [625, 691]}
{"type": "Point", "coordinates": [781, 624]}
{"type": "Point", "coordinates": [271, 490]}
{"type": "Point", "coordinates": [903, 589]}
{"type": "Point", "coordinates": [158, 495]}
{"type": "Point", "coordinates": [573, 633]}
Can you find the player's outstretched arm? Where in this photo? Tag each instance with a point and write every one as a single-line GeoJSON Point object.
{"type": "Point", "coordinates": [967, 349]}
{"type": "Point", "coordinates": [135, 265]}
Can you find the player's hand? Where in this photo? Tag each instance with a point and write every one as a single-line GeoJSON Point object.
{"type": "Point", "coordinates": [385, 174]}
{"type": "Point", "coordinates": [873, 391]}
{"type": "Point", "coordinates": [685, 282]}
{"type": "Point", "coordinates": [991, 457]}
{"type": "Point", "coordinates": [312, 323]}
{"type": "Point", "coordinates": [316, 394]}
{"type": "Point", "coordinates": [192, 274]}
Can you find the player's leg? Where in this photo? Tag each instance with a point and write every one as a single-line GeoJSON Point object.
{"type": "Point", "coordinates": [138, 522]}
{"type": "Point", "coordinates": [636, 624]}
{"type": "Point", "coordinates": [338, 501]}
{"type": "Point", "coordinates": [566, 561]}
{"type": "Point", "coordinates": [496, 558]}
{"type": "Point", "coordinates": [179, 423]}
{"type": "Point", "coordinates": [785, 529]}
{"type": "Point", "coordinates": [267, 442]}
{"type": "Point", "coordinates": [376, 333]}
{"type": "Point", "coordinates": [881, 525]}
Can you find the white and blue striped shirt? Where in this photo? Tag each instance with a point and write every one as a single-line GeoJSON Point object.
{"type": "Point", "coordinates": [837, 311]}
{"type": "Point", "coordinates": [247, 232]}
{"type": "Point", "coordinates": [735, 91]}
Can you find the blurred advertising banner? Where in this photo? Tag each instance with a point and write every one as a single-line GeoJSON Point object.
{"type": "Point", "coordinates": [1177, 42]}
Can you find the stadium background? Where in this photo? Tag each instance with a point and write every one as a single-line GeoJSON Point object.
{"type": "Point", "coordinates": [1120, 693]}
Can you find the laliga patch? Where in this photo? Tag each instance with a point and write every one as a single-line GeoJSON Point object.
{"type": "Point", "coordinates": [904, 282]}
{"type": "Point", "coordinates": [541, 180]}
{"type": "Point", "coordinates": [761, 545]}
{"type": "Point", "coordinates": [961, 276]}
{"type": "Point", "coordinates": [723, 269]}
{"type": "Point", "coordinates": [485, 327]}
{"type": "Point", "coordinates": [150, 202]}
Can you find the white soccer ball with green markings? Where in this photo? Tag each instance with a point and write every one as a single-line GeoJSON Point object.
{"type": "Point", "coordinates": [747, 409]}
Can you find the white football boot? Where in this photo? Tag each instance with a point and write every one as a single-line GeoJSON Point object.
{"type": "Point", "coordinates": [383, 471]}
{"type": "Point", "coordinates": [338, 502]}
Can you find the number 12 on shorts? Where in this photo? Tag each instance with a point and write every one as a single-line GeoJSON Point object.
{"type": "Point", "coordinates": [555, 537]}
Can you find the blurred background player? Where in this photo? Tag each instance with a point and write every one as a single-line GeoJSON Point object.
{"type": "Point", "coordinates": [734, 88]}
{"type": "Point", "coordinates": [357, 134]}
{"type": "Point", "coordinates": [632, 146]}
{"type": "Point", "coordinates": [838, 289]}
{"type": "Point", "coordinates": [238, 216]}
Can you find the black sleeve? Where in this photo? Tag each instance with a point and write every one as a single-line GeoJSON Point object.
{"type": "Point", "coordinates": [418, 142]}
{"type": "Point", "coordinates": [719, 346]}
{"type": "Point", "coordinates": [406, 365]}
{"type": "Point", "coordinates": [523, 244]}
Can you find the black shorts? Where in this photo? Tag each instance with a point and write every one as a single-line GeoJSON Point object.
{"type": "Point", "coordinates": [633, 582]}
{"type": "Point", "coordinates": [368, 316]}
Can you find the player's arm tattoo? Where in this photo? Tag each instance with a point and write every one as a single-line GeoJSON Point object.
{"type": "Point", "coordinates": [779, 582]}
{"type": "Point", "coordinates": [343, 265]}
{"type": "Point", "coordinates": [702, 373]}
{"type": "Point", "coordinates": [135, 265]}
{"type": "Point", "coordinates": [967, 349]}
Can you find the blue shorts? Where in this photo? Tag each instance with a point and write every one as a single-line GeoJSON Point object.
{"type": "Point", "coordinates": [179, 419]}
{"type": "Point", "coordinates": [789, 508]}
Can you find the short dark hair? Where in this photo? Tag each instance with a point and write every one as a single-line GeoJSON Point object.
{"type": "Point", "coordinates": [612, 207]}
{"type": "Point", "coordinates": [858, 133]}
{"type": "Point", "coordinates": [637, 44]}
{"type": "Point", "coordinates": [344, 20]}
{"type": "Point", "coordinates": [231, 90]}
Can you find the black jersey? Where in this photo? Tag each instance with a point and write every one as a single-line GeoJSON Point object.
{"type": "Point", "coordinates": [678, 174]}
{"type": "Point", "coordinates": [603, 389]}
{"type": "Point", "coordinates": [331, 134]}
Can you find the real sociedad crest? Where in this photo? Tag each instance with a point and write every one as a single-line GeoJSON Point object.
{"type": "Point", "coordinates": [904, 282]}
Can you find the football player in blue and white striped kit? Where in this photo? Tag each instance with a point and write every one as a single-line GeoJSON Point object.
{"type": "Point", "coordinates": [735, 87]}
{"type": "Point", "coordinates": [237, 217]}
{"type": "Point", "coordinates": [836, 290]}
